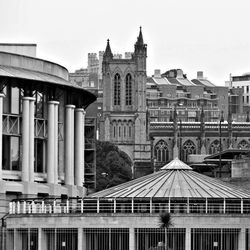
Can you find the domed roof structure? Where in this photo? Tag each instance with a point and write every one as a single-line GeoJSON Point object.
{"type": "Point", "coordinates": [174, 180]}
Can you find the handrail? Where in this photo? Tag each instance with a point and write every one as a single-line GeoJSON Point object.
{"type": "Point", "coordinates": [129, 205]}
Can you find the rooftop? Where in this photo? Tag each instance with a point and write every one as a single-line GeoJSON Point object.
{"type": "Point", "coordinates": [174, 180]}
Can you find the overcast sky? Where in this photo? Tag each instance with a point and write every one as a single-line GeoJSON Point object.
{"type": "Point", "coordinates": [208, 35]}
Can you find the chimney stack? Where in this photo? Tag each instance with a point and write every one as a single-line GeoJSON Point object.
{"type": "Point", "coordinates": [199, 74]}
{"type": "Point", "coordinates": [157, 73]}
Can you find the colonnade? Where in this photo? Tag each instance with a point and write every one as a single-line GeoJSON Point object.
{"type": "Point", "coordinates": [73, 142]}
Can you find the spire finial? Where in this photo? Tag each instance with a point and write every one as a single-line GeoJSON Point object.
{"type": "Point", "coordinates": [108, 52]}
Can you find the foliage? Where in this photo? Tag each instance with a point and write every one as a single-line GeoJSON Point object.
{"type": "Point", "coordinates": [165, 220]}
{"type": "Point", "coordinates": [113, 166]}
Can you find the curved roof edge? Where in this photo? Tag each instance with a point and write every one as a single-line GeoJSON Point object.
{"type": "Point", "coordinates": [34, 64]}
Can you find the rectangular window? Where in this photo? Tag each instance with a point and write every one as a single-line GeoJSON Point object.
{"type": "Point", "coordinates": [247, 89]}
{"type": "Point", "coordinates": [15, 100]}
{"type": "Point", "coordinates": [247, 99]}
{"type": "Point", "coordinates": [11, 153]}
{"type": "Point", "coordinates": [39, 156]}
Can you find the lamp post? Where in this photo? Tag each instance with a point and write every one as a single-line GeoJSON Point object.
{"type": "Point", "coordinates": [221, 120]}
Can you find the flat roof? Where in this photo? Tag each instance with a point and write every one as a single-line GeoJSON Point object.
{"type": "Point", "coordinates": [227, 154]}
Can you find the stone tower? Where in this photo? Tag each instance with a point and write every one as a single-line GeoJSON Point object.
{"type": "Point", "coordinates": [124, 105]}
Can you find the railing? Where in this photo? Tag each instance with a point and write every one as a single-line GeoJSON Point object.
{"type": "Point", "coordinates": [132, 206]}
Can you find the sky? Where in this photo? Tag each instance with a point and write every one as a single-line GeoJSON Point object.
{"type": "Point", "coordinates": [195, 35]}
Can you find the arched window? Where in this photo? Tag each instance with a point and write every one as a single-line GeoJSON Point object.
{"type": "Point", "coordinates": [161, 151]}
{"type": "Point", "coordinates": [128, 89]}
{"type": "Point", "coordinates": [117, 90]}
{"type": "Point", "coordinates": [214, 147]}
{"type": "Point", "coordinates": [243, 145]}
{"type": "Point", "coordinates": [187, 149]}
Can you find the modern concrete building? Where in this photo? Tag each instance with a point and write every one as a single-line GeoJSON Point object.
{"type": "Point", "coordinates": [206, 213]}
{"type": "Point", "coordinates": [41, 130]}
{"type": "Point", "coordinates": [242, 81]}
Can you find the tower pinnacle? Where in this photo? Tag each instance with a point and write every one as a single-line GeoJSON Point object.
{"type": "Point", "coordinates": [108, 52]}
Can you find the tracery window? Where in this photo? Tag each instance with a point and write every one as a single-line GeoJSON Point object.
{"type": "Point", "coordinates": [161, 151]}
{"type": "Point", "coordinates": [243, 145]}
{"type": "Point", "coordinates": [187, 149]}
{"type": "Point", "coordinates": [117, 90]}
{"type": "Point", "coordinates": [214, 147]}
{"type": "Point", "coordinates": [128, 89]}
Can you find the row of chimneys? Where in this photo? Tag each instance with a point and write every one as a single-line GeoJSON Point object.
{"type": "Point", "coordinates": [157, 74]}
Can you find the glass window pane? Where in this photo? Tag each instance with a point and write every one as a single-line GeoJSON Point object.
{"type": "Point", "coordinates": [15, 100]}
{"type": "Point", "coordinates": [39, 155]}
{"type": "Point", "coordinates": [6, 153]}
{"type": "Point", "coordinates": [15, 153]}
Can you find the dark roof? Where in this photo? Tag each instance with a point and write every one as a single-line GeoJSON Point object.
{"type": "Point", "coordinates": [174, 180]}
{"type": "Point", "coordinates": [228, 154]}
{"type": "Point", "coordinates": [173, 80]}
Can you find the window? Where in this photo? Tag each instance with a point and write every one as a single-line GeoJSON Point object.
{"type": "Point", "coordinates": [187, 149]}
{"type": "Point", "coordinates": [124, 131]}
{"type": "Point", "coordinates": [161, 151]}
{"type": "Point", "coordinates": [214, 147]}
{"type": "Point", "coordinates": [247, 99]}
{"type": "Point", "coordinates": [247, 89]}
{"type": "Point", "coordinates": [128, 89]}
{"type": "Point", "coordinates": [11, 153]}
{"type": "Point", "coordinates": [130, 132]}
{"type": "Point", "coordinates": [114, 131]}
{"type": "Point", "coordinates": [117, 90]}
{"type": "Point", "coordinates": [40, 156]}
{"type": "Point", "coordinates": [119, 131]}
{"type": "Point", "coordinates": [11, 102]}
{"type": "Point", "coordinates": [40, 103]}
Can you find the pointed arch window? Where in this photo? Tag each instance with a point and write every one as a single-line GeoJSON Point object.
{"type": "Point", "coordinates": [128, 89]}
{"type": "Point", "coordinates": [188, 148]}
{"type": "Point", "coordinates": [161, 152]}
{"type": "Point", "coordinates": [214, 147]}
{"type": "Point", "coordinates": [117, 89]}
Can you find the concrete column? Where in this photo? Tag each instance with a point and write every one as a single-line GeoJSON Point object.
{"type": "Point", "coordinates": [51, 142]}
{"type": "Point", "coordinates": [1, 133]}
{"type": "Point", "coordinates": [31, 139]}
{"type": "Point", "coordinates": [242, 239]}
{"type": "Point", "coordinates": [188, 239]}
{"type": "Point", "coordinates": [56, 104]}
{"type": "Point", "coordinates": [69, 144]}
{"type": "Point", "coordinates": [25, 139]}
{"type": "Point", "coordinates": [79, 146]}
{"type": "Point", "coordinates": [80, 239]}
{"type": "Point", "coordinates": [132, 239]}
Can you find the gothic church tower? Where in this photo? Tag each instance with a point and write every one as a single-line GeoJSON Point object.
{"type": "Point", "coordinates": [124, 105]}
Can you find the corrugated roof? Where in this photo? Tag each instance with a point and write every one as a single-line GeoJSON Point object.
{"type": "Point", "coordinates": [175, 180]}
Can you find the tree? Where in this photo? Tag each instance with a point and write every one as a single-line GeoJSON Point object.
{"type": "Point", "coordinates": [113, 166]}
{"type": "Point", "coordinates": [165, 222]}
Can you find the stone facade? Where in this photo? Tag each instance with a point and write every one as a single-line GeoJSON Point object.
{"type": "Point", "coordinates": [124, 120]}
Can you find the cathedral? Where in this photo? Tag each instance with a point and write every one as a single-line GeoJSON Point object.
{"type": "Point", "coordinates": [155, 119]}
{"type": "Point", "coordinates": [124, 105]}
